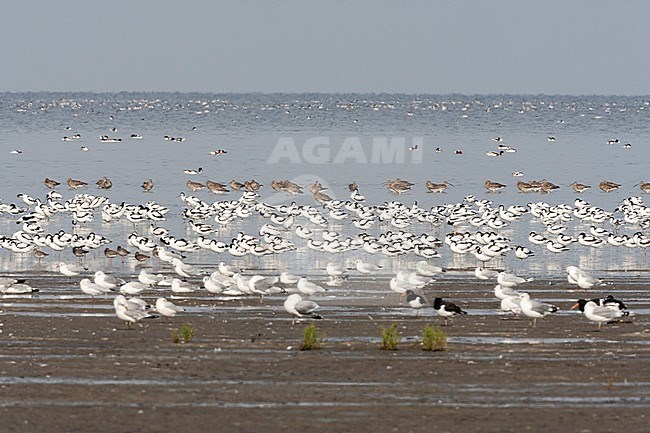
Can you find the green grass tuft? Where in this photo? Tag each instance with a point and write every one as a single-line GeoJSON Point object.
{"type": "Point", "coordinates": [185, 335]}
{"type": "Point", "coordinates": [389, 337]}
{"type": "Point", "coordinates": [434, 339]}
{"type": "Point", "coordinates": [310, 338]}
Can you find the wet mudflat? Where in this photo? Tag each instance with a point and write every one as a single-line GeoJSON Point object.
{"type": "Point", "coordinates": [68, 364]}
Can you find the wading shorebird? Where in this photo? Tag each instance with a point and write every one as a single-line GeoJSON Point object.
{"type": "Point", "coordinates": [608, 186]}
{"type": "Point", "coordinates": [525, 187]}
{"type": "Point", "coordinates": [645, 187]}
{"type": "Point", "coordinates": [215, 187]}
{"type": "Point", "coordinates": [236, 186]}
{"type": "Point", "coordinates": [437, 187]}
{"type": "Point", "coordinates": [579, 187]}
{"type": "Point", "coordinates": [398, 186]}
{"type": "Point", "coordinates": [194, 186]}
{"type": "Point", "coordinates": [494, 186]}
{"type": "Point", "coordinates": [547, 186]}
{"type": "Point", "coordinates": [51, 183]}
{"type": "Point", "coordinates": [75, 184]}
{"type": "Point", "coordinates": [104, 183]}
{"type": "Point", "coordinates": [252, 185]}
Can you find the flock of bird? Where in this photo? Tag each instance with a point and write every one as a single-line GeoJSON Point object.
{"type": "Point", "coordinates": [229, 280]}
{"type": "Point", "coordinates": [328, 228]}
{"type": "Point", "coordinates": [314, 227]}
{"type": "Point", "coordinates": [293, 227]}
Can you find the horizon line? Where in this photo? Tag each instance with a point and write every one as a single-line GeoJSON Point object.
{"type": "Point", "coordinates": [117, 92]}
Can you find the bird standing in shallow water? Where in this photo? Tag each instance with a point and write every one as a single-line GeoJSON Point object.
{"type": "Point", "coordinates": [437, 187]}
{"type": "Point", "coordinates": [607, 186]}
{"type": "Point", "coordinates": [104, 183]}
{"type": "Point", "coordinates": [75, 184]}
{"type": "Point", "coordinates": [579, 187]}
{"type": "Point", "coordinates": [194, 186]}
{"type": "Point", "coordinates": [51, 183]}
{"type": "Point", "coordinates": [494, 186]}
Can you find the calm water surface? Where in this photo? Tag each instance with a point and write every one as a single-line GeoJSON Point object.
{"type": "Point", "coordinates": [334, 139]}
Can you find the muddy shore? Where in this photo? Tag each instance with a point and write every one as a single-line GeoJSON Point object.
{"type": "Point", "coordinates": [68, 364]}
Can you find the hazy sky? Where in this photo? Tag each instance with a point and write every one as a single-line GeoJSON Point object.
{"type": "Point", "coordinates": [455, 46]}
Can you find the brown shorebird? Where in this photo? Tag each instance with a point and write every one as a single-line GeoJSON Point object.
{"type": "Point", "coordinates": [279, 185]}
{"type": "Point", "coordinates": [321, 197]}
{"type": "Point", "coordinates": [608, 186]}
{"type": "Point", "coordinates": [123, 252]}
{"type": "Point", "coordinates": [525, 187]}
{"type": "Point", "coordinates": [547, 186]}
{"type": "Point", "coordinates": [79, 252]}
{"type": "Point", "coordinates": [148, 185]}
{"type": "Point", "coordinates": [51, 183]}
{"type": "Point", "coordinates": [38, 254]}
{"type": "Point", "coordinates": [110, 253]}
{"type": "Point", "coordinates": [579, 187]}
{"type": "Point", "coordinates": [493, 186]}
{"type": "Point", "coordinates": [253, 185]}
{"type": "Point", "coordinates": [437, 187]}
{"type": "Point", "coordinates": [215, 187]}
{"type": "Point", "coordinates": [645, 187]}
{"type": "Point", "coordinates": [141, 257]}
{"type": "Point", "coordinates": [104, 183]}
{"type": "Point", "coordinates": [236, 186]}
{"type": "Point", "coordinates": [404, 182]}
{"type": "Point", "coordinates": [75, 184]}
{"type": "Point", "coordinates": [194, 186]}
{"type": "Point", "coordinates": [353, 186]}
{"type": "Point", "coordinates": [398, 186]}
{"type": "Point", "coordinates": [316, 187]}
{"type": "Point", "coordinates": [293, 188]}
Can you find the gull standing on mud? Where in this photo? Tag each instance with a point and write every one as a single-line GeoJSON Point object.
{"type": "Point", "coordinates": [511, 280]}
{"type": "Point", "coordinates": [69, 270]}
{"type": "Point", "coordinates": [425, 269]}
{"type": "Point", "coordinates": [365, 268]}
{"type": "Point", "coordinates": [308, 288]}
{"type": "Point", "coordinates": [107, 281]}
{"type": "Point", "coordinates": [299, 308]}
{"type": "Point", "coordinates": [167, 308]}
{"type": "Point", "coordinates": [577, 276]}
{"type": "Point", "coordinates": [600, 314]}
{"type": "Point", "coordinates": [92, 289]}
{"type": "Point", "coordinates": [511, 304]}
{"type": "Point", "coordinates": [535, 309]}
{"type": "Point", "coordinates": [132, 310]}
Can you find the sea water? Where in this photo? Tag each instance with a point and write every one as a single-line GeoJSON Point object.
{"type": "Point", "coordinates": [335, 139]}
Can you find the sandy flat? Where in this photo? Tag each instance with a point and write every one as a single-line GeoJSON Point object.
{"type": "Point", "coordinates": [68, 364]}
